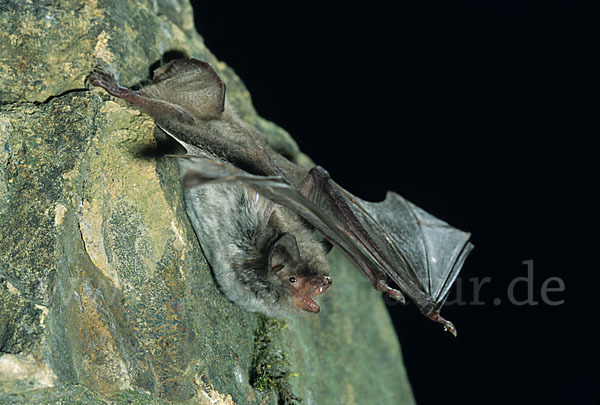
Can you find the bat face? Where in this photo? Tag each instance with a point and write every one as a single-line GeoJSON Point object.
{"type": "Point", "coordinates": [306, 288]}
{"type": "Point", "coordinates": [299, 276]}
{"type": "Point", "coordinates": [302, 286]}
{"type": "Point", "coordinates": [302, 289]}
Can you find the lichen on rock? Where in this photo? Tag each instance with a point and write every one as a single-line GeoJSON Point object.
{"type": "Point", "coordinates": [105, 295]}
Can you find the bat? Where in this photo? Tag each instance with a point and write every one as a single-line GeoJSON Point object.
{"type": "Point", "coordinates": [264, 258]}
{"type": "Point", "coordinates": [393, 240]}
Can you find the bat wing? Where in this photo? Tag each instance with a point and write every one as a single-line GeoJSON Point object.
{"type": "Point", "coordinates": [394, 238]}
{"type": "Point", "coordinates": [420, 253]}
{"type": "Point", "coordinates": [189, 84]}
{"type": "Point", "coordinates": [185, 91]}
{"type": "Point", "coordinates": [428, 252]}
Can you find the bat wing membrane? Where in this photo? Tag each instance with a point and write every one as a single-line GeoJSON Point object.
{"type": "Point", "coordinates": [433, 250]}
{"type": "Point", "coordinates": [190, 85]}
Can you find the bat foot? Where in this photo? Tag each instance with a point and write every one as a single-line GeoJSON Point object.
{"type": "Point", "coordinates": [448, 326]}
{"type": "Point", "coordinates": [395, 294]}
{"type": "Point", "coordinates": [105, 79]}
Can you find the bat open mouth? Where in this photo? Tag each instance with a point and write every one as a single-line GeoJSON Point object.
{"type": "Point", "coordinates": [306, 302]}
{"type": "Point", "coordinates": [320, 290]}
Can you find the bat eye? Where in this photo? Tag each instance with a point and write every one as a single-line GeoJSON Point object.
{"type": "Point", "coordinates": [292, 279]}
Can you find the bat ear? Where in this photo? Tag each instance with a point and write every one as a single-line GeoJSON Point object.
{"type": "Point", "coordinates": [326, 245]}
{"type": "Point", "coordinates": [284, 252]}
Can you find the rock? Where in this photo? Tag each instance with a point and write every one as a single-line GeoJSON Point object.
{"type": "Point", "coordinates": [105, 295]}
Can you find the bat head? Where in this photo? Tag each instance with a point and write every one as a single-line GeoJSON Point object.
{"type": "Point", "coordinates": [302, 274]}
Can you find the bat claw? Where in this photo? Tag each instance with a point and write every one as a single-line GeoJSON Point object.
{"type": "Point", "coordinates": [101, 77]}
{"type": "Point", "coordinates": [395, 294]}
{"type": "Point", "coordinates": [448, 326]}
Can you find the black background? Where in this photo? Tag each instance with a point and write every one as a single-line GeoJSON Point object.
{"type": "Point", "coordinates": [474, 112]}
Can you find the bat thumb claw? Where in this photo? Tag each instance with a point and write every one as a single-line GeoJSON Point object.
{"type": "Point", "coordinates": [448, 326]}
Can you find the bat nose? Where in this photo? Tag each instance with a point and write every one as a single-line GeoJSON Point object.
{"type": "Point", "coordinates": [327, 280]}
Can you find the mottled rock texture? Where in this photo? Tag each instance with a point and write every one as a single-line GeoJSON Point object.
{"type": "Point", "coordinates": [105, 295]}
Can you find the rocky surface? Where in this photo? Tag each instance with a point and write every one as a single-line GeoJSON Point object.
{"type": "Point", "coordinates": [105, 295]}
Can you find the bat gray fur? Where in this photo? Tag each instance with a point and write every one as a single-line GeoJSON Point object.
{"type": "Point", "coordinates": [237, 229]}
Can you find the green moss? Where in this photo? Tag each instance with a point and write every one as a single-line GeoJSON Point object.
{"type": "Point", "coordinates": [270, 365]}
{"type": "Point", "coordinates": [131, 397]}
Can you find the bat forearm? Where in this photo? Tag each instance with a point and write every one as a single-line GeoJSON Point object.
{"type": "Point", "coordinates": [294, 173]}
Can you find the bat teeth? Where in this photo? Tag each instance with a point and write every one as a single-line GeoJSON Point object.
{"type": "Point", "coordinates": [319, 291]}
{"type": "Point", "coordinates": [325, 283]}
